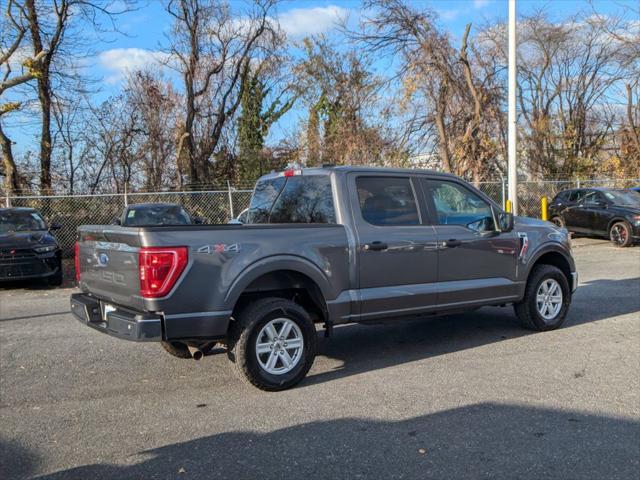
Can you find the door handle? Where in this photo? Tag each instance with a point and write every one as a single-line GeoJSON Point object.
{"type": "Point", "coordinates": [376, 246]}
{"type": "Point", "coordinates": [452, 243]}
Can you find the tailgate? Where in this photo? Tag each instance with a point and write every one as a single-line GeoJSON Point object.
{"type": "Point", "coordinates": [108, 258]}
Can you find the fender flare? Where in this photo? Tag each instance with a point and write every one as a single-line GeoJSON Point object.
{"type": "Point", "coordinates": [273, 264]}
{"type": "Point", "coordinates": [616, 220]}
{"type": "Point", "coordinates": [549, 247]}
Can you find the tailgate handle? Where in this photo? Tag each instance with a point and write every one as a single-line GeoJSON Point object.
{"type": "Point", "coordinates": [376, 246]}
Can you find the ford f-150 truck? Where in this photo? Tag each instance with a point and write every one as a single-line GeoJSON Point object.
{"type": "Point", "coordinates": [325, 246]}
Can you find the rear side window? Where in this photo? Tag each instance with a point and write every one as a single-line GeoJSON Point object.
{"type": "Point", "coordinates": [576, 195]}
{"type": "Point", "coordinates": [387, 201]}
{"type": "Point", "coordinates": [264, 195]}
{"type": "Point", "coordinates": [298, 199]}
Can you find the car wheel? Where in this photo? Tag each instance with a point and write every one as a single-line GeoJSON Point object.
{"type": "Point", "coordinates": [620, 234]}
{"type": "Point", "coordinates": [559, 221]}
{"type": "Point", "coordinates": [546, 299]}
{"type": "Point", "coordinates": [177, 349]}
{"type": "Point", "coordinates": [272, 343]}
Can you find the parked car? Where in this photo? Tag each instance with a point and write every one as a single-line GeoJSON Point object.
{"type": "Point", "coordinates": [148, 214]}
{"type": "Point", "coordinates": [601, 212]}
{"type": "Point", "coordinates": [322, 245]}
{"type": "Point", "coordinates": [28, 250]}
{"type": "Point", "coordinates": [635, 189]}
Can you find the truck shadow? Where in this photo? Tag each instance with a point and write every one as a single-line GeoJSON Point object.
{"type": "Point", "coordinates": [367, 347]}
{"type": "Point", "coordinates": [485, 440]}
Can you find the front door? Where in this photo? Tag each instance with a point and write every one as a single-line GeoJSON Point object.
{"type": "Point", "coordinates": [397, 248]}
{"type": "Point", "coordinates": [476, 264]}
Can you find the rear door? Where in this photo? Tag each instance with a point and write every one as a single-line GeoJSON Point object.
{"type": "Point", "coordinates": [593, 216]}
{"type": "Point", "coordinates": [572, 214]}
{"type": "Point", "coordinates": [396, 247]}
{"type": "Point", "coordinates": [476, 264]}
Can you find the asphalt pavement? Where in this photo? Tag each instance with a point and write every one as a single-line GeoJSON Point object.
{"type": "Point", "coordinates": [465, 396]}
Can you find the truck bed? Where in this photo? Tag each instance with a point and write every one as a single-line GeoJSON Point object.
{"type": "Point", "coordinates": [222, 261]}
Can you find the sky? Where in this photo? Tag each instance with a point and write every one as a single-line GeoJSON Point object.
{"type": "Point", "coordinates": [144, 33]}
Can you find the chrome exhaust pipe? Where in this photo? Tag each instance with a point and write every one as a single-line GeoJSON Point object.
{"type": "Point", "coordinates": [195, 352]}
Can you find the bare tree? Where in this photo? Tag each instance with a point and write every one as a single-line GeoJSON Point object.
{"type": "Point", "coordinates": [212, 49]}
{"type": "Point", "coordinates": [450, 91]}
{"type": "Point", "coordinates": [14, 30]}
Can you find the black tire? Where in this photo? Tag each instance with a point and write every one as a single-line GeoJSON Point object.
{"type": "Point", "coordinates": [243, 336]}
{"type": "Point", "coordinates": [527, 310]}
{"type": "Point", "coordinates": [177, 349]}
{"type": "Point", "coordinates": [56, 279]}
{"type": "Point", "coordinates": [559, 221]}
{"type": "Point", "coordinates": [620, 234]}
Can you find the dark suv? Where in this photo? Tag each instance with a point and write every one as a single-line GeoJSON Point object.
{"type": "Point", "coordinates": [28, 250]}
{"type": "Point", "coordinates": [601, 212]}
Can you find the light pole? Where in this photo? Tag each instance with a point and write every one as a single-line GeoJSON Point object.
{"type": "Point", "coordinates": [512, 121]}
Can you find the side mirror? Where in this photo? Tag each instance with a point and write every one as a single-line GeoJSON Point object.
{"type": "Point", "coordinates": [601, 203]}
{"type": "Point", "coordinates": [55, 226]}
{"type": "Point", "coordinates": [116, 221]}
{"type": "Point", "coordinates": [505, 221]}
{"type": "Point", "coordinates": [198, 220]}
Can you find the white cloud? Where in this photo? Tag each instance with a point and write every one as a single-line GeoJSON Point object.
{"type": "Point", "coordinates": [448, 15]}
{"type": "Point", "coordinates": [120, 61]}
{"type": "Point", "coordinates": [480, 3]}
{"type": "Point", "coordinates": [299, 22]}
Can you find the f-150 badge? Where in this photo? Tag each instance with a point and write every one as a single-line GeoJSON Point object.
{"type": "Point", "coordinates": [219, 248]}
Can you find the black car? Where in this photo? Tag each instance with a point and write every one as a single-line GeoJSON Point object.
{"type": "Point", "coordinates": [602, 212]}
{"type": "Point", "coordinates": [28, 250]}
{"type": "Point", "coordinates": [148, 214]}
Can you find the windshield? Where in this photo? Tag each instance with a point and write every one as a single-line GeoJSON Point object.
{"type": "Point", "coordinates": [20, 221]}
{"type": "Point", "coordinates": [156, 215]}
{"type": "Point", "coordinates": [623, 197]}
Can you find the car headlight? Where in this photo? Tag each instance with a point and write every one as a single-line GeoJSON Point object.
{"type": "Point", "coordinates": [45, 249]}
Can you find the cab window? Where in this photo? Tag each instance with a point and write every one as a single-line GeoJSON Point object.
{"type": "Point", "coordinates": [457, 205]}
{"type": "Point", "coordinates": [297, 199]}
{"type": "Point", "coordinates": [386, 201]}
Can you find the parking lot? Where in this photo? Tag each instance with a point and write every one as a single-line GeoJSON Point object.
{"type": "Point", "coordinates": [467, 396]}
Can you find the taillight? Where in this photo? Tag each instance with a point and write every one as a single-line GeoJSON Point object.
{"type": "Point", "coordinates": [160, 268]}
{"type": "Point", "coordinates": [76, 256]}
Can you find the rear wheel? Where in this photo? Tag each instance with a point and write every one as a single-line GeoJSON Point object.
{"type": "Point", "coordinates": [272, 343]}
{"type": "Point", "coordinates": [620, 234]}
{"type": "Point", "coordinates": [559, 221]}
{"type": "Point", "coordinates": [546, 300]}
{"type": "Point", "coordinates": [177, 349]}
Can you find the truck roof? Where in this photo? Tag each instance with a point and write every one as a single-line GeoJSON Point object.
{"type": "Point", "coordinates": [327, 169]}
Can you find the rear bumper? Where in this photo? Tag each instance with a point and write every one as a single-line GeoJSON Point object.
{"type": "Point", "coordinates": [128, 325]}
{"type": "Point", "coordinates": [574, 281]}
{"type": "Point", "coordinates": [149, 327]}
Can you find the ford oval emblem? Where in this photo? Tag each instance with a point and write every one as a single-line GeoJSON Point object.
{"type": "Point", "coordinates": [103, 259]}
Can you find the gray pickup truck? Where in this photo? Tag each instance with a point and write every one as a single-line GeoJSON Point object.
{"type": "Point", "coordinates": [325, 246]}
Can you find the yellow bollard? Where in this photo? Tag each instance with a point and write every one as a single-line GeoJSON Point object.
{"type": "Point", "coordinates": [509, 206]}
{"type": "Point", "coordinates": [544, 208]}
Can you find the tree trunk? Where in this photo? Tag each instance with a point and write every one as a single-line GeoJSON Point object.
{"type": "Point", "coordinates": [44, 96]}
{"type": "Point", "coordinates": [12, 185]}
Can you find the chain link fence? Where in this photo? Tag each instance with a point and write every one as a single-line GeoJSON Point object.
{"type": "Point", "coordinates": [70, 212]}
{"type": "Point", "coordinates": [219, 206]}
{"type": "Point", "coordinates": [531, 193]}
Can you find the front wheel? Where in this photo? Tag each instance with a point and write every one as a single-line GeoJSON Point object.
{"type": "Point", "coordinates": [546, 299]}
{"type": "Point", "coordinates": [272, 343]}
{"type": "Point", "coordinates": [620, 234]}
